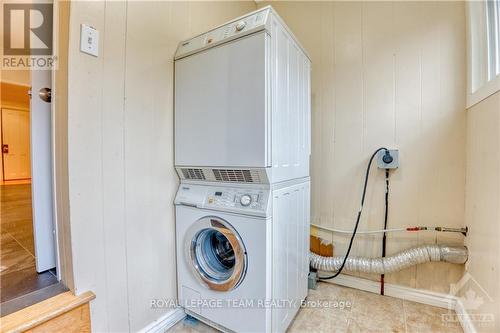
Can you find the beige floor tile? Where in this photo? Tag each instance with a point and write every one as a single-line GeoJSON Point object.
{"type": "Point", "coordinates": [351, 310]}
{"type": "Point", "coordinates": [421, 318]}
{"type": "Point", "coordinates": [375, 313]}
{"type": "Point", "coordinates": [320, 321]}
{"type": "Point", "coordinates": [327, 310]}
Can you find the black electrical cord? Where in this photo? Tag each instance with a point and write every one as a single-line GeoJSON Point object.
{"type": "Point", "coordinates": [384, 238]}
{"type": "Point", "coordinates": [367, 176]}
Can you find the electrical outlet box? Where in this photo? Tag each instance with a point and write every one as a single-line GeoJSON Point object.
{"type": "Point", "coordinates": [312, 281]}
{"type": "Point", "coordinates": [395, 159]}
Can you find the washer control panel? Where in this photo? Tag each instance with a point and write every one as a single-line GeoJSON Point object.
{"type": "Point", "coordinates": [252, 200]}
{"type": "Point", "coordinates": [237, 198]}
{"type": "Point", "coordinates": [224, 32]}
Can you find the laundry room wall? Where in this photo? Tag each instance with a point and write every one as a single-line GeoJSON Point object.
{"type": "Point", "coordinates": [120, 152]}
{"type": "Point", "coordinates": [483, 210]}
{"type": "Point", "coordinates": [387, 74]}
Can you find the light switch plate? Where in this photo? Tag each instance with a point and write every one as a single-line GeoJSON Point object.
{"type": "Point", "coordinates": [89, 40]}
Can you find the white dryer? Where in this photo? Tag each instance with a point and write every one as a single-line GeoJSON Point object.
{"type": "Point", "coordinates": [242, 253]}
{"type": "Point", "coordinates": [242, 103]}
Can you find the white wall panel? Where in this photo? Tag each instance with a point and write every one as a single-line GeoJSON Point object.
{"type": "Point", "coordinates": [85, 162]}
{"type": "Point", "coordinates": [387, 74]}
{"type": "Point", "coordinates": [120, 149]}
{"type": "Point", "coordinates": [113, 167]}
{"type": "Point", "coordinates": [483, 208]}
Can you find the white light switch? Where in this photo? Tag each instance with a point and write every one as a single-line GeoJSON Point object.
{"type": "Point", "coordinates": [89, 40]}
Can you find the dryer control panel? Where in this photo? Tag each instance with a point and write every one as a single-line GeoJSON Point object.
{"type": "Point", "coordinates": [247, 200]}
{"type": "Point", "coordinates": [234, 29]}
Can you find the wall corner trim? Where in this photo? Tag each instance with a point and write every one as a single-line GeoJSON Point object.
{"type": "Point", "coordinates": [464, 317]}
{"type": "Point", "coordinates": [165, 322]}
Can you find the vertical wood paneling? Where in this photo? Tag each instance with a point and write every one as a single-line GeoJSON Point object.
{"type": "Point", "coordinates": [85, 161]}
{"type": "Point", "coordinates": [113, 168]}
{"type": "Point", "coordinates": [442, 193]}
{"type": "Point", "coordinates": [325, 98]}
{"type": "Point", "coordinates": [121, 171]}
{"type": "Point", "coordinates": [378, 109]}
{"type": "Point", "coordinates": [150, 179]}
{"type": "Point", "coordinates": [408, 108]}
{"type": "Point", "coordinates": [387, 74]}
{"type": "Point", "coordinates": [348, 124]}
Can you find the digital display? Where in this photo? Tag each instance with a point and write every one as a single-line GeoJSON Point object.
{"type": "Point", "coordinates": [218, 194]}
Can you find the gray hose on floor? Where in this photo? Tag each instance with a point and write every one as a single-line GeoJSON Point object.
{"type": "Point", "coordinates": [394, 263]}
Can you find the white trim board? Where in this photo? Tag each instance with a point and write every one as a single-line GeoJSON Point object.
{"type": "Point", "coordinates": [464, 318]}
{"type": "Point", "coordinates": [165, 322]}
{"type": "Point", "coordinates": [488, 89]}
{"type": "Point", "coordinates": [416, 295]}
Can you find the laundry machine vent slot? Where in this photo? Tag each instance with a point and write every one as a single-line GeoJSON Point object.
{"type": "Point", "coordinates": [240, 176]}
{"type": "Point", "coordinates": [193, 174]}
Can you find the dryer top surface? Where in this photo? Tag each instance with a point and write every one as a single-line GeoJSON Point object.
{"type": "Point", "coordinates": [241, 26]}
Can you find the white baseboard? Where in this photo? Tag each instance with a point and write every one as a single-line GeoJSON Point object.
{"type": "Point", "coordinates": [464, 318]}
{"type": "Point", "coordinates": [165, 322]}
{"type": "Point", "coordinates": [416, 295]}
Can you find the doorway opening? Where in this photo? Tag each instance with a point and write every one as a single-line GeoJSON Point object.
{"type": "Point", "coordinates": [27, 239]}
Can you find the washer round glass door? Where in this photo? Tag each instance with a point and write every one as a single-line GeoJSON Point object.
{"type": "Point", "coordinates": [216, 253]}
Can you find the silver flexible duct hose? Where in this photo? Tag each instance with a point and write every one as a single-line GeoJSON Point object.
{"type": "Point", "coordinates": [394, 263]}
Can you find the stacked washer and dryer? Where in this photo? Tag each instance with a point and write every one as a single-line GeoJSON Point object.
{"type": "Point", "coordinates": [242, 149]}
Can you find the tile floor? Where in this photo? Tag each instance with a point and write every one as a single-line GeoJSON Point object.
{"type": "Point", "coordinates": [367, 313]}
{"type": "Point", "coordinates": [18, 276]}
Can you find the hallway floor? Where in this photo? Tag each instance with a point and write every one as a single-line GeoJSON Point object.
{"type": "Point", "coordinates": [367, 312]}
{"type": "Point", "coordinates": [17, 262]}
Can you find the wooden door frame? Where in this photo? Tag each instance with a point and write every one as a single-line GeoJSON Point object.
{"type": "Point", "coordinates": [59, 108]}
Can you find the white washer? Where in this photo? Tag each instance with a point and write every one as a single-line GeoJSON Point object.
{"type": "Point", "coordinates": [242, 253]}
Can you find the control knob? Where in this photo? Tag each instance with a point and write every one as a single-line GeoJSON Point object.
{"type": "Point", "coordinates": [240, 25]}
{"type": "Point", "coordinates": [245, 200]}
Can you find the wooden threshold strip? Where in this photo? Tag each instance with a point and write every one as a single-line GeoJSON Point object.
{"type": "Point", "coordinates": [42, 312]}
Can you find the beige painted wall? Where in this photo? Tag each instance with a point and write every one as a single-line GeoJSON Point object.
{"type": "Point", "coordinates": [120, 150]}
{"type": "Point", "coordinates": [387, 74]}
{"type": "Point", "coordinates": [483, 207]}
{"type": "Point", "coordinates": [22, 77]}
{"type": "Point", "coordinates": [7, 79]}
